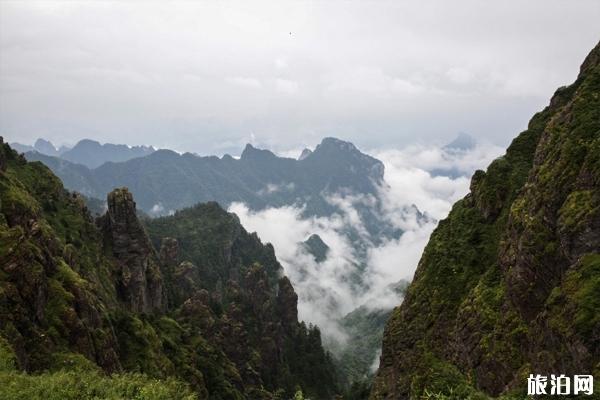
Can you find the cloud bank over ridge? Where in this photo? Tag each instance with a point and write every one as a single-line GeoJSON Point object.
{"type": "Point", "coordinates": [329, 290]}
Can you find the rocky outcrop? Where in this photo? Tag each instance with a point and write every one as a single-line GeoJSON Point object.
{"type": "Point", "coordinates": [169, 252]}
{"type": "Point", "coordinates": [228, 284]}
{"type": "Point", "coordinates": [45, 304]}
{"type": "Point", "coordinates": [138, 274]}
{"type": "Point", "coordinates": [80, 295]}
{"type": "Point", "coordinates": [287, 304]}
{"type": "Point", "coordinates": [316, 247]}
{"type": "Point", "coordinates": [3, 157]}
{"type": "Point", "coordinates": [508, 283]}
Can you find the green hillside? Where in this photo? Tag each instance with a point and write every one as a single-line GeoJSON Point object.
{"type": "Point", "coordinates": [93, 309]}
{"type": "Point", "coordinates": [508, 284]}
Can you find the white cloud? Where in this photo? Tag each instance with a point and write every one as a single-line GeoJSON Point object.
{"type": "Point", "coordinates": [286, 86]}
{"type": "Point", "coordinates": [271, 188]}
{"type": "Point", "coordinates": [252, 83]}
{"type": "Point", "coordinates": [280, 63]}
{"type": "Point", "coordinates": [328, 291]}
{"type": "Point", "coordinates": [186, 75]}
{"type": "Point", "coordinates": [157, 209]}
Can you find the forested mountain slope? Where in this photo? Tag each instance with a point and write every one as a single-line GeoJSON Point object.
{"type": "Point", "coordinates": [210, 307]}
{"type": "Point", "coordinates": [509, 283]}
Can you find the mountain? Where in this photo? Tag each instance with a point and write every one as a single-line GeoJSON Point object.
{"type": "Point", "coordinates": [86, 152]}
{"type": "Point", "coordinates": [92, 154]}
{"type": "Point", "coordinates": [305, 153]}
{"type": "Point", "coordinates": [334, 179]}
{"type": "Point", "coordinates": [316, 247]}
{"type": "Point", "coordinates": [167, 181]}
{"type": "Point", "coordinates": [462, 142]}
{"type": "Point", "coordinates": [45, 147]}
{"type": "Point", "coordinates": [187, 306]}
{"type": "Point", "coordinates": [461, 145]}
{"type": "Point", "coordinates": [41, 146]}
{"type": "Point", "coordinates": [508, 283]}
{"type": "Point", "coordinates": [258, 178]}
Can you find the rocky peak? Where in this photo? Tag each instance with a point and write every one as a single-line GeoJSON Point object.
{"type": "Point", "coordinates": [139, 278]}
{"type": "Point", "coordinates": [305, 153]}
{"type": "Point", "coordinates": [336, 144]}
{"type": "Point", "coordinates": [169, 251]}
{"type": "Point", "coordinates": [252, 153]}
{"type": "Point", "coordinates": [316, 247]}
{"type": "Point", "coordinates": [45, 147]}
{"type": "Point", "coordinates": [591, 61]}
{"type": "Point", "coordinates": [336, 153]}
{"type": "Point", "coordinates": [462, 142]}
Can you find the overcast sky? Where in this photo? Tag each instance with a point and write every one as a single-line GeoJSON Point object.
{"type": "Point", "coordinates": [209, 77]}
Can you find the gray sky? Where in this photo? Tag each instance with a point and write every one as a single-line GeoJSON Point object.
{"type": "Point", "coordinates": [209, 77]}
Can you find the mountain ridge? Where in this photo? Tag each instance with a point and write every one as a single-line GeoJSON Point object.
{"type": "Point", "coordinates": [508, 283]}
{"type": "Point", "coordinates": [87, 152]}
{"type": "Point", "coordinates": [260, 179]}
{"type": "Point", "coordinates": [211, 308]}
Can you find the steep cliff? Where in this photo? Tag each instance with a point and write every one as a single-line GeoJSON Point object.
{"type": "Point", "coordinates": [233, 285]}
{"type": "Point", "coordinates": [139, 280]}
{"type": "Point", "coordinates": [211, 309]}
{"type": "Point", "coordinates": [508, 284]}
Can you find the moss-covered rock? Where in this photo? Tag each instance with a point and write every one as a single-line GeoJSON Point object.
{"type": "Point", "coordinates": [508, 283]}
{"type": "Point", "coordinates": [81, 298]}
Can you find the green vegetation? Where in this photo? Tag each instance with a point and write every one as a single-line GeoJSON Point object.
{"type": "Point", "coordinates": [89, 310]}
{"type": "Point", "coordinates": [80, 379]}
{"type": "Point", "coordinates": [508, 284]}
{"type": "Point", "coordinates": [80, 386]}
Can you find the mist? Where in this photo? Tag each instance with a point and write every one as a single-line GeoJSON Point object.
{"type": "Point", "coordinates": [414, 200]}
{"type": "Point", "coordinates": [209, 77]}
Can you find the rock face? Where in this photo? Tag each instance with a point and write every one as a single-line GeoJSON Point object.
{"type": "Point", "coordinates": [211, 309]}
{"type": "Point", "coordinates": [305, 153]}
{"type": "Point", "coordinates": [287, 304]}
{"type": "Point", "coordinates": [508, 284]}
{"type": "Point", "coordinates": [3, 160]}
{"type": "Point", "coordinates": [138, 275]}
{"type": "Point", "coordinates": [233, 288]}
{"type": "Point", "coordinates": [44, 305]}
{"type": "Point", "coordinates": [315, 246]}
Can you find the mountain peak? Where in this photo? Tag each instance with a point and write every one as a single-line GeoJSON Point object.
{"type": "Point", "coordinates": [43, 142]}
{"type": "Point", "coordinates": [334, 143]}
{"type": "Point", "coordinates": [305, 153]}
{"type": "Point", "coordinates": [140, 280]}
{"type": "Point", "coordinates": [316, 247]}
{"type": "Point", "coordinates": [462, 142]}
{"type": "Point", "coordinates": [45, 147]}
{"type": "Point", "coordinates": [87, 142]}
{"type": "Point", "coordinates": [592, 60]}
{"type": "Point", "coordinates": [92, 153]}
{"type": "Point", "coordinates": [251, 152]}
{"type": "Point", "coordinates": [339, 154]}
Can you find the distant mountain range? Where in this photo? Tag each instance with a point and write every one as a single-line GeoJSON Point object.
{"type": "Point", "coordinates": [41, 146]}
{"type": "Point", "coordinates": [164, 181]}
{"type": "Point", "coordinates": [322, 182]}
{"type": "Point", "coordinates": [89, 153]}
